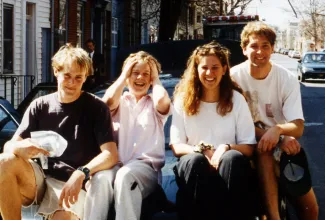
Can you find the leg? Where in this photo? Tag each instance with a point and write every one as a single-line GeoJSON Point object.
{"type": "Point", "coordinates": [237, 174]}
{"type": "Point", "coordinates": [63, 215]}
{"type": "Point", "coordinates": [134, 181]}
{"type": "Point", "coordinates": [306, 206]}
{"type": "Point", "coordinates": [100, 194]}
{"type": "Point", "coordinates": [18, 186]}
{"type": "Point", "coordinates": [199, 186]}
{"type": "Point", "coordinates": [269, 183]}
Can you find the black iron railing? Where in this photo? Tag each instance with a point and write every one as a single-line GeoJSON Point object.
{"type": "Point", "coordinates": [13, 83]}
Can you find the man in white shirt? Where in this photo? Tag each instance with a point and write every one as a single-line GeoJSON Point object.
{"type": "Point", "coordinates": [274, 100]}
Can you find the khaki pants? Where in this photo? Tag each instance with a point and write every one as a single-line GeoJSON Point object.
{"type": "Point", "coordinates": [48, 194]}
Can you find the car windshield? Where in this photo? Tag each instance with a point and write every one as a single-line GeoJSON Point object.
{"type": "Point", "coordinates": [314, 58]}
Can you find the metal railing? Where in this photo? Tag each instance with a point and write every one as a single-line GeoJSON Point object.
{"type": "Point", "coordinates": [13, 85]}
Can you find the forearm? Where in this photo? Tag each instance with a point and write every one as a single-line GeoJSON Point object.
{"type": "Point", "coordinates": [245, 149]}
{"type": "Point", "coordinates": [181, 149]}
{"type": "Point", "coordinates": [294, 128]}
{"type": "Point", "coordinates": [105, 160]}
{"type": "Point", "coordinates": [114, 92]}
{"type": "Point", "coordinates": [11, 145]}
{"type": "Point", "coordinates": [160, 97]}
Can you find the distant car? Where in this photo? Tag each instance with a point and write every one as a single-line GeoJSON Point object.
{"type": "Point", "coordinates": [312, 65]}
{"type": "Point", "coordinates": [295, 54]}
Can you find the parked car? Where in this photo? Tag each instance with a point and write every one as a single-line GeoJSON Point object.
{"type": "Point", "coordinates": [295, 54]}
{"type": "Point", "coordinates": [11, 117]}
{"type": "Point", "coordinates": [9, 121]}
{"type": "Point", "coordinates": [312, 65]}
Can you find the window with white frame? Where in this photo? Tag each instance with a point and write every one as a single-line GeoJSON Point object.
{"type": "Point", "coordinates": [114, 32]}
{"type": "Point", "coordinates": [80, 23]}
{"type": "Point", "coordinates": [7, 38]}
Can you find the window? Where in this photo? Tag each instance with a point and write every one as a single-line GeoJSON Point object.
{"type": "Point", "coordinates": [191, 16]}
{"type": "Point", "coordinates": [132, 31]}
{"type": "Point", "coordinates": [198, 18]}
{"type": "Point", "coordinates": [61, 25]}
{"type": "Point", "coordinates": [8, 38]}
{"type": "Point", "coordinates": [114, 32]}
{"type": "Point", "coordinates": [80, 23]}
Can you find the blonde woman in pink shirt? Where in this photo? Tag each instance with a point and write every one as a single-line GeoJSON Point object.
{"type": "Point", "coordinates": [139, 119]}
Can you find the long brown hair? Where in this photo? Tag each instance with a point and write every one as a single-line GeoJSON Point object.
{"type": "Point", "coordinates": [190, 87]}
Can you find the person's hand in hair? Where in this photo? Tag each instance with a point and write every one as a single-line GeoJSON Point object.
{"type": "Point", "coordinates": [128, 68]}
{"type": "Point", "coordinates": [154, 70]}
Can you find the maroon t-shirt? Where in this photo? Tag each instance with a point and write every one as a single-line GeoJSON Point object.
{"type": "Point", "coordinates": [85, 123]}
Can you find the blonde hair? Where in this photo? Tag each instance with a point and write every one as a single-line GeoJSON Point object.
{"type": "Point", "coordinates": [190, 88]}
{"type": "Point", "coordinates": [258, 28]}
{"type": "Point", "coordinates": [69, 54]}
{"type": "Point", "coordinates": [144, 57]}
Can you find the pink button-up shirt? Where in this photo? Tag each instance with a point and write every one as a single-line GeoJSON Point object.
{"type": "Point", "coordinates": [140, 130]}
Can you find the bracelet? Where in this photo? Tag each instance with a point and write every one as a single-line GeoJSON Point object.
{"type": "Point", "coordinates": [229, 147]}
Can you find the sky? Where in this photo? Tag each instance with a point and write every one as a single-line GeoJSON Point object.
{"type": "Point", "coordinates": [275, 12]}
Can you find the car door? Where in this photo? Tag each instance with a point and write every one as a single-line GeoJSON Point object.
{"type": "Point", "coordinates": [8, 123]}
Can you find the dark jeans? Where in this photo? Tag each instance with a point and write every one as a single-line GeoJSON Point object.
{"type": "Point", "coordinates": [207, 193]}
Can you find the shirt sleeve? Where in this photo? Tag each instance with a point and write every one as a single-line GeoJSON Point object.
{"type": "Point", "coordinates": [29, 121]}
{"type": "Point", "coordinates": [103, 128]}
{"type": "Point", "coordinates": [245, 130]}
{"type": "Point", "coordinates": [292, 107]}
{"type": "Point", "coordinates": [177, 128]}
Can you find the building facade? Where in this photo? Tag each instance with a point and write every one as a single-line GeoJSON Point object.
{"type": "Point", "coordinates": [24, 26]}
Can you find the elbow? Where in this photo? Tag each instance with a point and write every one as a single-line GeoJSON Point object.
{"type": "Point", "coordinates": [301, 127]}
{"type": "Point", "coordinates": [175, 151]}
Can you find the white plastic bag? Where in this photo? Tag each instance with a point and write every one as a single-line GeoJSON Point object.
{"type": "Point", "coordinates": [51, 141]}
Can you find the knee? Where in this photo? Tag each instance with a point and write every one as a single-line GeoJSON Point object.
{"type": "Point", "coordinates": [8, 162]}
{"type": "Point", "coordinates": [102, 177]}
{"type": "Point", "coordinates": [123, 176]}
{"type": "Point", "coordinates": [63, 215]}
{"type": "Point", "coordinates": [311, 211]}
{"type": "Point", "coordinates": [194, 162]}
{"type": "Point", "coordinates": [234, 158]}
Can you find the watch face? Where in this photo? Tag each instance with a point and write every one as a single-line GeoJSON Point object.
{"type": "Point", "coordinates": [85, 170]}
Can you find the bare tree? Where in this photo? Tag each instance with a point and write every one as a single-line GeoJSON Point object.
{"type": "Point", "coordinates": [221, 7]}
{"type": "Point", "coordinates": [312, 15]}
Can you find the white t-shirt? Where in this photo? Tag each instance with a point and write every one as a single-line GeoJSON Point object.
{"type": "Point", "coordinates": [236, 127]}
{"type": "Point", "coordinates": [140, 130]}
{"type": "Point", "coordinates": [273, 100]}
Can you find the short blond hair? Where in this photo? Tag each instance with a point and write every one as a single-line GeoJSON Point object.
{"type": "Point", "coordinates": [69, 54]}
{"type": "Point", "coordinates": [144, 57]}
{"type": "Point", "coordinates": [258, 28]}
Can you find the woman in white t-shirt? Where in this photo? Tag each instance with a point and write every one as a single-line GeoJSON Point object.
{"type": "Point", "coordinates": [213, 134]}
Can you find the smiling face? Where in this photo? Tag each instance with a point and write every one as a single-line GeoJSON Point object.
{"type": "Point", "coordinates": [210, 72]}
{"type": "Point", "coordinates": [139, 79]}
{"type": "Point", "coordinates": [258, 50]}
{"type": "Point", "coordinates": [70, 80]}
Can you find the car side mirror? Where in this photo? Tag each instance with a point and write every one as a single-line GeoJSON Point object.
{"type": "Point", "coordinates": [299, 61]}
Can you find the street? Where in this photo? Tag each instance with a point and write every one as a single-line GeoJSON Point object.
{"type": "Point", "coordinates": [313, 96]}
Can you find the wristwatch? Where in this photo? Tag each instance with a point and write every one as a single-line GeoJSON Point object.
{"type": "Point", "coordinates": [86, 171]}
